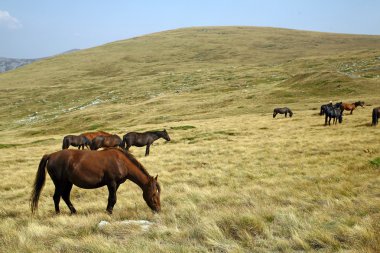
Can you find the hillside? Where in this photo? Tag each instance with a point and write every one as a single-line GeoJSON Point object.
{"type": "Point", "coordinates": [242, 68]}
{"type": "Point", "coordinates": [233, 178]}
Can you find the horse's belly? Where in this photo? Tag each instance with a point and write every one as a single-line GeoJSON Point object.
{"type": "Point", "coordinates": [86, 178]}
{"type": "Point", "coordinates": [88, 185]}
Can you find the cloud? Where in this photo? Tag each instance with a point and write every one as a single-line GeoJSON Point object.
{"type": "Point", "coordinates": [8, 21]}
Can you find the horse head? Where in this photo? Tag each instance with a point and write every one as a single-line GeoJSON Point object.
{"type": "Point", "coordinates": [359, 103]}
{"type": "Point", "coordinates": [151, 194]}
{"type": "Point", "coordinates": [165, 135]}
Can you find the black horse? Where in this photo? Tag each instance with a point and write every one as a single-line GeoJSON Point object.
{"type": "Point", "coordinates": [76, 141]}
{"type": "Point", "coordinates": [375, 116]}
{"type": "Point", "coordinates": [142, 139]}
{"type": "Point", "coordinates": [324, 107]}
{"type": "Point", "coordinates": [106, 142]}
{"type": "Point", "coordinates": [334, 113]}
{"type": "Point", "coordinates": [284, 110]}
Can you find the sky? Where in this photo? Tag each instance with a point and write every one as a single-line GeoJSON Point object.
{"type": "Point", "coordinates": [40, 28]}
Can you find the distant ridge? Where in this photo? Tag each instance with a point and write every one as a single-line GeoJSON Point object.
{"type": "Point", "coordinates": [7, 64]}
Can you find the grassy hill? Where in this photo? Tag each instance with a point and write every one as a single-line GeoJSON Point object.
{"type": "Point", "coordinates": [234, 179]}
{"type": "Point", "coordinates": [212, 70]}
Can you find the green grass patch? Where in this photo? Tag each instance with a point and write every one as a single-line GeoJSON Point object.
{"type": "Point", "coordinates": [376, 162]}
{"type": "Point", "coordinates": [95, 126]}
{"type": "Point", "coordinates": [186, 127]}
{"type": "Point", "coordinates": [8, 145]}
{"type": "Point", "coordinates": [43, 141]}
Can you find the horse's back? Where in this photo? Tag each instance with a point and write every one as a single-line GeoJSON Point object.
{"type": "Point", "coordinates": [91, 135]}
{"type": "Point", "coordinates": [281, 110]}
{"type": "Point", "coordinates": [131, 136]}
{"type": "Point", "coordinates": [84, 168]}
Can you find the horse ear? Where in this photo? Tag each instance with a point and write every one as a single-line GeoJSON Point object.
{"type": "Point", "coordinates": [156, 177]}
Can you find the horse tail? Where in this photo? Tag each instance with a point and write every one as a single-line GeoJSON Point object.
{"type": "Point", "coordinates": [123, 142]}
{"type": "Point", "coordinates": [65, 143]}
{"type": "Point", "coordinates": [322, 111]}
{"type": "Point", "coordinates": [374, 116]}
{"type": "Point", "coordinates": [92, 145]}
{"type": "Point", "coordinates": [38, 183]}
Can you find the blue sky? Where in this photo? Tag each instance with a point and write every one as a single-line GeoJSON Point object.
{"type": "Point", "coordinates": [38, 28]}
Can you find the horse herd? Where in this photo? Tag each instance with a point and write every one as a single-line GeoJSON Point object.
{"type": "Point", "coordinates": [91, 169]}
{"type": "Point", "coordinates": [334, 111]}
{"type": "Point", "coordinates": [113, 165]}
{"type": "Point", "coordinates": [101, 139]}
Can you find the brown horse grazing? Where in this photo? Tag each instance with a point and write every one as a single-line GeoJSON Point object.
{"type": "Point", "coordinates": [92, 169]}
{"type": "Point", "coordinates": [142, 139]}
{"type": "Point", "coordinates": [106, 142]}
{"type": "Point", "coordinates": [375, 116]}
{"type": "Point", "coordinates": [91, 135]}
{"type": "Point", "coordinates": [76, 141]}
{"type": "Point", "coordinates": [351, 107]}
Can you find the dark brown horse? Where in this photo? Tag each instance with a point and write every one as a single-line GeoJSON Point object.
{"type": "Point", "coordinates": [375, 116]}
{"type": "Point", "coordinates": [76, 141]}
{"type": "Point", "coordinates": [331, 112]}
{"type": "Point", "coordinates": [92, 169]}
{"type": "Point", "coordinates": [284, 110]}
{"type": "Point", "coordinates": [351, 107]}
{"type": "Point", "coordinates": [91, 135]}
{"type": "Point", "coordinates": [106, 142]}
{"type": "Point", "coordinates": [324, 107]}
{"type": "Point", "coordinates": [142, 139]}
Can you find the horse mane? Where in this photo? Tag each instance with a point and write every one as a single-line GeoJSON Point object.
{"type": "Point", "coordinates": [155, 132]}
{"type": "Point", "coordinates": [133, 159]}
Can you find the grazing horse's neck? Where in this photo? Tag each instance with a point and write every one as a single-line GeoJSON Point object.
{"type": "Point", "coordinates": [137, 176]}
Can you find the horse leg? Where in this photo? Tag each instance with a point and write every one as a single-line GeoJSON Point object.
{"type": "Point", "coordinates": [351, 111]}
{"type": "Point", "coordinates": [66, 189]}
{"type": "Point", "coordinates": [57, 198]}
{"type": "Point", "coordinates": [112, 188]}
{"type": "Point", "coordinates": [147, 150]}
{"type": "Point", "coordinates": [286, 114]}
{"type": "Point", "coordinates": [326, 119]}
{"type": "Point", "coordinates": [57, 191]}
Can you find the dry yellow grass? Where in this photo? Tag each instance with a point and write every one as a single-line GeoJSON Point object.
{"type": "Point", "coordinates": [232, 184]}
{"type": "Point", "coordinates": [233, 178]}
